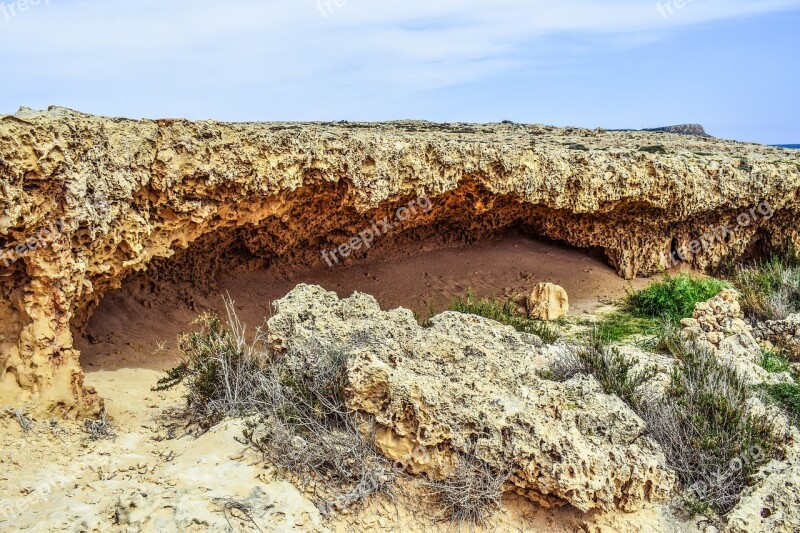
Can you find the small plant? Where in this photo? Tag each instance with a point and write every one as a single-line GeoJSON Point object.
{"type": "Point", "coordinates": [217, 369]}
{"type": "Point", "coordinates": [612, 369]}
{"type": "Point", "coordinates": [505, 313]}
{"type": "Point", "coordinates": [787, 396]}
{"type": "Point", "coordinates": [655, 149]}
{"type": "Point", "coordinates": [704, 427]}
{"type": "Point", "coordinates": [774, 361]}
{"type": "Point", "coordinates": [472, 493]}
{"type": "Point", "coordinates": [99, 429]}
{"type": "Point", "coordinates": [674, 297]}
{"type": "Point", "coordinates": [578, 147]}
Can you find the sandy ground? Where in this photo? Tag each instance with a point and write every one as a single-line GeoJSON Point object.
{"type": "Point", "coordinates": [154, 477]}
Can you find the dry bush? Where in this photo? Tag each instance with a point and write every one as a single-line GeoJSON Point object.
{"type": "Point", "coordinates": [472, 493]}
{"type": "Point", "coordinates": [99, 429]}
{"type": "Point", "coordinates": [304, 427]}
{"type": "Point", "coordinates": [705, 428]}
{"type": "Point", "coordinates": [219, 368]}
{"type": "Point", "coordinates": [613, 370]}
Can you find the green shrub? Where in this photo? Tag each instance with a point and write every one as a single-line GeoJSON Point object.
{"type": "Point", "coordinates": [504, 312]}
{"type": "Point", "coordinates": [612, 369]}
{"type": "Point", "coordinates": [705, 429]}
{"type": "Point", "coordinates": [644, 312]}
{"type": "Point", "coordinates": [774, 362]}
{"type": "Point", "coordinates": [674, 297]}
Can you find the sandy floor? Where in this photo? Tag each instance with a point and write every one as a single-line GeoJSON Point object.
{"type": "Point", "coordinates": [126, 331]}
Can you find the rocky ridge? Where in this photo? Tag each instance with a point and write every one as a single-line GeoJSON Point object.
{"type": "Point", "coordinates": [86, 201]}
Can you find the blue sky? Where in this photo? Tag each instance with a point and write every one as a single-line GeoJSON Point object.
{"type": "Point", "coordinates": [731, 65]}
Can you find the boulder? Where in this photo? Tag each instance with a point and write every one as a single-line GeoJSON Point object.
{"type": "Point", "coordinates": [468, 386]}
{"type": "Point", "coordinates": [548, 302]}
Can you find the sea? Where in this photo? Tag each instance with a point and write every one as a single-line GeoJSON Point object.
{"type": "Point", "coordinates": [795, 146]}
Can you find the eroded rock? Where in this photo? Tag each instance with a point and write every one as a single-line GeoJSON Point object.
{"type": "Point", "coordinates": [124, 195]}
{"type": "Point", "coordinates": [719, 325]}
{"type": "Point", "coordinates": [548, 302]}
{"type": "Point", "coordinates": [467, 385]}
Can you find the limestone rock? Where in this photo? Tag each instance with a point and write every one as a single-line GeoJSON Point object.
{"type": "Point", "coordinates": [772, 503]}
{"type": "Point", "coordinates": [468, 385]}
{"type": "Point", "coordinates": [548, 302]}
{"type": "Point", "coordinates": [85, 201]}
{"type": "Point", "coordinates": [719, 325]}
{"type": "Point", "coordinates": [782, 333]}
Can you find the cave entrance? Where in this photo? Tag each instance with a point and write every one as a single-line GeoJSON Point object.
{"type": "Point", "coordinates": [137, 325]}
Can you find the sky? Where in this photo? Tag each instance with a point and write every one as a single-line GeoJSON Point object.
{"type": "Point", "coordinates": [731, 65]}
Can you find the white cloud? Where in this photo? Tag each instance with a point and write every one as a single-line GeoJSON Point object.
{"type": "Point", "coordinates": [362, 46]}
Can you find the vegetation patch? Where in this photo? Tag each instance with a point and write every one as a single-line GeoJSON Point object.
{"type": "Point", "coordinates": [775, 361]}
{"type": "Point", "coordinates": [787, 396]}
{"type": "Point", "coordinates": [705, 429]}
{"type": "Point", "coordinates": [579, 147]}
{"type": "Point", "coordinates": [471, 494]}
{"type": "Point", "coordinates": [644, 312]}
{"type": "Point", "coordinates": [770, 289]}
{"type": "Point", "coordinates": [504, 312]}
{"type": "Point", "coordinates": [612, 369]}
{"type": "Point", "coordinates": [655, 149]}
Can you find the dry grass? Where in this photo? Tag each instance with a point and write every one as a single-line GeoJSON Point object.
{"type": "Point", "coordinates": [471, 494]}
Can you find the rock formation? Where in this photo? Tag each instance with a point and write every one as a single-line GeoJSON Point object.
{"type": "Point", "coordinates": [467, 385]}
{"type": "Point", "coordinates": [86, 201]}
{"type": "Point", "coordinates": [683, 129]}
{"type": "Point", "coordinates": [719, 325]}
{"type": "Point", "coordinates": [548, 302]}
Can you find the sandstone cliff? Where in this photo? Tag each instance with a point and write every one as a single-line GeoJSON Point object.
{"type": "Point", "coordinates": [87, 200]}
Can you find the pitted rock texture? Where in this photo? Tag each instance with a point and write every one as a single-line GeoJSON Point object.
{"type": "Point", "coordinates": [719, 325]}
{"type": "Point", "coordinates": [86, 201]}
{"type": "Point", "coordinates": [467, 385]}
{"type": "Point", "coordinates": [783, 334]}
{"type": "Point", "coordinates": [772, 503]}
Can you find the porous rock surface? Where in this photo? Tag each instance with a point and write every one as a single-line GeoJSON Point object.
{"type": "Point", "coordinates": [467, 385]}
{"type": "Point", "coordinates": [781, 333]}
{"type": "Point", "coordinates": [772, 503]}
{"type": "Point", "coordinates": [86, 201]}
{"type": "Point", "coordinates": [719, 325]}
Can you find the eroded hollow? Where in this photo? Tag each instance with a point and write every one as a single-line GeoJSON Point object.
{"type": "Point", "coordinates": [137, 325]}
